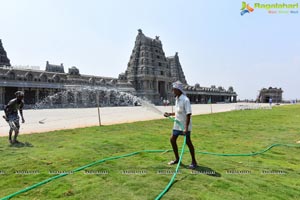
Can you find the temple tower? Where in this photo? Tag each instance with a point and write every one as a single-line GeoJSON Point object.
{"type": "Point", "coordinates": [4, 61]}
{"type": "Point", "coordinates": [150, 72]}
{"type": "Point", "coordinates": [176, 70]}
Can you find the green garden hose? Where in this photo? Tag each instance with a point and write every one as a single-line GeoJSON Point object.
{"type": "Point", "coordinates": [132, 154]}
{"type": "Point", "coordinates": [138, 152]}
{"type": "Point", "coordinates": [178, 164]}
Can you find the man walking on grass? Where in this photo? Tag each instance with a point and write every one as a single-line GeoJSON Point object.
{"type": "Point", "coordinates": [182, 114]}
{"type": "Point", "coordinates": [12, 117]}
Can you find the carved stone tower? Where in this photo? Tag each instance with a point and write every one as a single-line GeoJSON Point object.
{"type": "Point", "coordinates": [3, 56]}
{"type": "Point", "coordinates": [176, 70]}
{"type": "Point", "coordinates": [150, 72]}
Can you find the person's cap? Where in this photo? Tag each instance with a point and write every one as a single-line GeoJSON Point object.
{"type": "Point", "coordinates": [178, 85]}
{"type": "Point", "coordinates": [19, 94]}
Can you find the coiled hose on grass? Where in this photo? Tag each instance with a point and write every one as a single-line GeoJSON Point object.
{"type": "Point", "coordinates": [144, 151]}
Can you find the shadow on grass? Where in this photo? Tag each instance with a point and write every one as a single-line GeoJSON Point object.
{"type": "Point", "coordinates": [206, 170]}
{"type": "Point", "coordinates": [203, 170]}
{"type": "Point", "coordinates": [21, 145]}
{"type": "Point", "coordinates": [175, 181]}
{"type": "Point", "coordinates": [198, 170]}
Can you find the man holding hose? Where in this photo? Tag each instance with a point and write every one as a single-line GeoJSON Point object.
{"type": "Point", "coordinates": [182, 114]}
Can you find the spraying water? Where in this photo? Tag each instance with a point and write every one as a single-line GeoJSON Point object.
{"type": "Point", "coordinates": [149, 106]}
{"type": "Point", "coordinates": [88, 96]}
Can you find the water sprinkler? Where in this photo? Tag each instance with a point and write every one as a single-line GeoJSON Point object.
{"type": "Point", "coordinates": [42, 121]}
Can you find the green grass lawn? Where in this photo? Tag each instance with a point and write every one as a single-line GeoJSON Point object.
{"type": "Point", "coordinates": [272, 175]}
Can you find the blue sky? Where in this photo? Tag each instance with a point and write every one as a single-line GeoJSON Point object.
{"type": "Point", "coordinates": [216, 45]}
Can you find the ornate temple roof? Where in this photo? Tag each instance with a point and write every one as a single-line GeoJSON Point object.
{"type": "Point", "coordinates": [54, 68]}
{"type": "Point", "coordinates": [176, 69]}
{"type": "Point", "coordinates": [4, 60]}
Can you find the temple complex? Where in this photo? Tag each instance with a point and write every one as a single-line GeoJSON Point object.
{"type": "Point", "coordinates": [149, 74]}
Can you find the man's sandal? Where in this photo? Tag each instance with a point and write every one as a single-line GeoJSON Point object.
{"type": "Point", "coordinates": [173, 162]}
{"type": "Point", "coordinates": [192, 166]}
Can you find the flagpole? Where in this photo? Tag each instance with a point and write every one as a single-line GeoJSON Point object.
{"type": "Point", "coordinates": [99, 116]}
{"type": "Point", "coordinates": [210, 105]}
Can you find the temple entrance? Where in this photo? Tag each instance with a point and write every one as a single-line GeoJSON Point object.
{"type": "Point", "coordinates": [10, 93]}
{"type": "Point", "coordinates": [267, 99]}
{"type": "Point", "coordinates": [162, 89]}
{"type": "Point", "coordinates": [29, 96]}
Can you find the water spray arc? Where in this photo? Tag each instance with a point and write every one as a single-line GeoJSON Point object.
{"type": "Point", "coordinates": [88, 96]}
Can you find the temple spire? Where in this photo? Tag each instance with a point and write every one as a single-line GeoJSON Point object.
{"type": "Point", "coordinates": [4, 60]}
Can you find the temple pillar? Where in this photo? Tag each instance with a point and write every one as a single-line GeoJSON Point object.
{"type": "Point", "coordinates": [2, 96]}
{"type": "Point", "coordinates": [51, 93]}
{"type": "Point", "coordinates": [234, 99]}
{"type": "Point", "coordinates": [166, 90]}
{"type": "Point", "coordinates": [64, 98]}
{"type": "Point", "coordinates": [37, 95]}
{"type": "Point", "coordinates": [156, 86]}
{"type": "Point", "coordinates": [75, 96]}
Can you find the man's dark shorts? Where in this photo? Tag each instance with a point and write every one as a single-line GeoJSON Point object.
{"type": "Point", "coordinates": [177, 133]}
{"type": "Point", "coordinates": [13, 117]}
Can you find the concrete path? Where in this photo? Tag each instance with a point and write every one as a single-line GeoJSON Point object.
{"type": "Point", "coordinates": [37, 121]}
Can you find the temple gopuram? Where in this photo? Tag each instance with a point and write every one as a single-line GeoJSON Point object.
{"type": "Point", "coordinates": [149, 74]}
{"type": "Point", "coordinates": [4, 61]}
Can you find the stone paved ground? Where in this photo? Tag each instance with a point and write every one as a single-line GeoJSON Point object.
{"type": "Point", "coordinates": [57, 119]}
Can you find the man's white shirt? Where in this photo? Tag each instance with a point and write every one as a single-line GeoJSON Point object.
{"type": "Point", "coordinates": [182, 108]}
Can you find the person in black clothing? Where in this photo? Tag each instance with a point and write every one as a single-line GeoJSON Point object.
{"type": "Point", "coordinates": [12, 117]}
